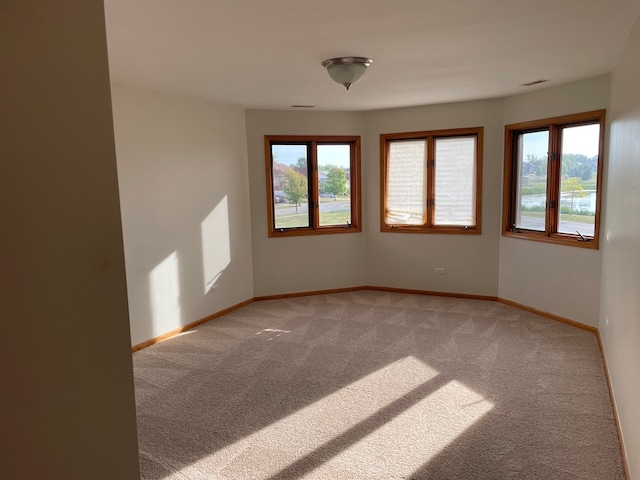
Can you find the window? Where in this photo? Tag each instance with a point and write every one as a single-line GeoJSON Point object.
{"type": "Point", "coordinates": [431, 181]}
{"type": "Point", "coordinates": [552, 179]}
{"type": "Point", "coordinates": [313, 185]}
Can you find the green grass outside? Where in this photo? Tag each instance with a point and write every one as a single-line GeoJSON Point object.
{"type": "Point", "coordinates": [302, 219]}
{"type": "Point", "coordinates": [538, 188]}
{"type": "Point", "coordinates": [566, 217]}
{"type": "Point", "coordinates": [289, 221]}
{"type": "Point", "coordinates": [335, 218]}
{"type": "Point", "coordinates": [534, 188]}
{"type": "Point", "coordinates": [280, 206]}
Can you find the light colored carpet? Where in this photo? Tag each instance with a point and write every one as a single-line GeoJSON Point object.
{"type": "Point", "coordinates": [375, 385]}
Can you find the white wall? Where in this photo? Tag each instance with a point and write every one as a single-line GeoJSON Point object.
{"type": "Point", "coordinates": [182, 168]}
{"type": "Point", "coordinates": [620, 301]}
{"type": "Point", "coordinates": [174, 173]}
{"type": "Point", "coordinates": [557, 279]}
{"type": "Point", "coordinates": [68, 408]}
{"type": "Point", "coordinates": [299, 264]}
{"type": "Point", "coordinates": [484, 265]}
{"type": "Point", "coordinates": [406, 260]}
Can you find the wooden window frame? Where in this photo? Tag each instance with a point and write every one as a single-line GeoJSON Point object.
{"type": "Point", "coordinates": [554, 126]}
{"type": "Point", "coordinates": [431, 137]}
{"type": "Point", "coordinates": [313, 185]}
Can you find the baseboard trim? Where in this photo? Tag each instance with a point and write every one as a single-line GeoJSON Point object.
{"type": "Point", "coordinates": [550, 316]}
{"type": "Point", "coordinates": [306, 294]}
{"type": "Point", "coordinates": [376, 288]}
{"type": "Point", "coordinates": [189, 326]}
{"type": "Point", "coordinates": [542, 313]}
{"type": "Point", "coordinates": [520, 306]}
{"type": "Point", "coordinates": [468, 296]}
{"type": "Point", "coordinates": [625, 460]}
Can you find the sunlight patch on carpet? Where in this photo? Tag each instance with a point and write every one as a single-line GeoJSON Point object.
{"type": "Point", "coordinates": [272, 333]}
{"type": "Point", "coordinates": [394, 419]}
{"type": "Point", "coordinates": [407, 442]}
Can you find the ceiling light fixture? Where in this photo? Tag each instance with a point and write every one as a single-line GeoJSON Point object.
{"type": "Point", "coordinates": [347, 70]}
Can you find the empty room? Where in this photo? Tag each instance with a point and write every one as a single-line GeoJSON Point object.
{"type": "Point", "coordinates": [321, 240]}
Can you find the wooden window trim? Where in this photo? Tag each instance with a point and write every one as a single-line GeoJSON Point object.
{"type": "Point", "coordinates": [355, 185]}
{"type": "Point", "coordinates": [554, 125]}
{"type": "Point", "coordinates": [431, 136]}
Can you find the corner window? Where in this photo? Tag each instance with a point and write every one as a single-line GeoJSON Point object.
{"type": "Point", "coordinates": [552, 179]}
{"type": "Point", "coordinates": [431, 181]}
{"type": "Point", "coordinates": [313, 185]}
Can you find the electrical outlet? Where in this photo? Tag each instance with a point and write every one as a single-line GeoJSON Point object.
{"type": "Point", "coordinates": [606, 322]}
{"type": "Point", "coordinates": [440, 270]}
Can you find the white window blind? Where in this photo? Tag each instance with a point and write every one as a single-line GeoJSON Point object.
{"type": "Point", "coordinates": [455, 160]}
{"type": "Point", "coordinates": [406, 188]}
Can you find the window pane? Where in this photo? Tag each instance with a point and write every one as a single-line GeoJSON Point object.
{"type": "Point", "coordinates": [334, 175]}
{"type": "Point", "coordinates": [290, 186]}
{"type": "Point", "coordinates": [580, 146]}
{"type": "Point", "coordinates": [406, 190]}
{"type": "Point", "coordinates": [455, 181]}
{"type": "Point", "coordinates": [531, 191]}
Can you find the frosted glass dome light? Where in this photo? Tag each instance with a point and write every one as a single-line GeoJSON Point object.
{"type": "Point", "coordinates": [347, 70]}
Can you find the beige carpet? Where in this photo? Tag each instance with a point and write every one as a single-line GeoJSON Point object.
{"type": "Point", "coordinates": [375, 385]}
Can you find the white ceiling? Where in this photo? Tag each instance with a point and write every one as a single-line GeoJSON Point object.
{"type": "Point", "coordinates": [267, 53]}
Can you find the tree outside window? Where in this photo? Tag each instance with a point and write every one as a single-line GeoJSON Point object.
{"type": "Point", "coordinates": [552, 178]}
{"type": "Point", "coordinates": [313, 185]}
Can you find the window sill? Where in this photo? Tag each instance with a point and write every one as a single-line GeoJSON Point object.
{"type": "Point", "coordinates": [556, 239]}
{"type": "Point", "coordinates": [306, 231]}
{"type": "Point", "coordinates": [441, 230]}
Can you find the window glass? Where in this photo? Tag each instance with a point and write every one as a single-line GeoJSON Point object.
{"type": "Point", "coordinates": [406, 187]}
{"type": "Point", "coordinates": [552, 178]}
{"type": "Point", "coordinates": [531, 188]}
{"type": "Point", "coordinates": [455, 161]}
{"type": "Point", "coordinates": [431, 181]}
{"type": "Point", "coordinates": [334, 176]}
{"type": "Point", "coordinates": [290, 186]}
{"type": "Point", "coordinates": [313, 184]}
{"type": "Point", "coordinates": [578, 187]}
